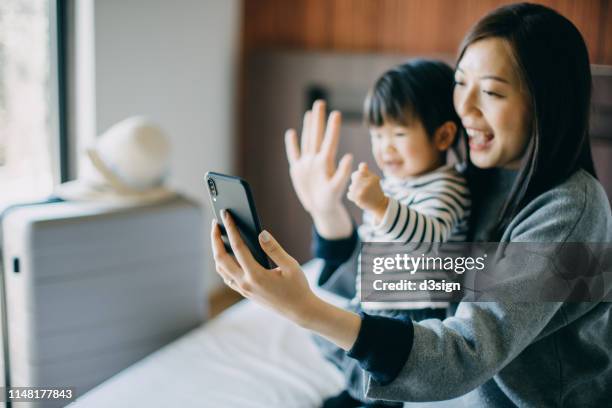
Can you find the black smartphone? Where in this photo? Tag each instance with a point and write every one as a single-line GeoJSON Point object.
{"type": "Point", "coordinates": [233, 194]}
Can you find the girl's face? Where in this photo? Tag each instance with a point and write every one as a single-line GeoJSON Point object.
{"type": "Point", "coordinates": [404, 150]}
{"type": "Point", "coordinates": [493, 105]}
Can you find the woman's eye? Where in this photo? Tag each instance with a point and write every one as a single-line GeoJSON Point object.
{"type": "Point", "coordinates": [459, 83]}
{"type": "Point", "coordinates": [493, 94]}
{"type": "Point", "coordinates": [400, 134]}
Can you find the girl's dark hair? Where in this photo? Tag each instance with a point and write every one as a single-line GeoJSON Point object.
{"type": "Point", "coordinates": [553, 62]}
{"type": "Point", "coordinates": [418, 89]}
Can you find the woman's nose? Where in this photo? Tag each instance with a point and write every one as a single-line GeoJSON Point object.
{"type": "Point", "coordinates": [466, 102]}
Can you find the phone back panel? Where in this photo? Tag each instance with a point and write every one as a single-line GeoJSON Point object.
{"type": "Point", "coordinates": [234, 195]}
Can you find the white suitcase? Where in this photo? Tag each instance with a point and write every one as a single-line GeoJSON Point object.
{"type": "Point", "coordinates": [90, 289]}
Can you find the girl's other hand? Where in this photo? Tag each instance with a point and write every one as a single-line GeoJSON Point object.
{"type": "Point", "coordinates": [365, 191]}
{"type": "Point", "coordinates": [318, 182]}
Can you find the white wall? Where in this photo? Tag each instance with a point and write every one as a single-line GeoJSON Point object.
{"type": "Point", "coordinates": [176, 62]}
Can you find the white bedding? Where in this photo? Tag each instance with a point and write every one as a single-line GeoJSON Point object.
{"type": "Point", "coordinates": [246, 357]}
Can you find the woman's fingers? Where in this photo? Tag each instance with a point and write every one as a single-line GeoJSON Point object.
{"type": "Point", "coordinates": [225, 264]}
{"type": "Point", "coordinates": [306, 132]}
{"type": "Point", "coordinates": [241, 251]}
{"type": "Point", "coordinates": [230, 281]}
{"type": "Point", "coordinates": [329, 147]}
{"type": "Point", "coordinates": [291, 146]}
{"type": "Point", "coordinates": [225, 275]}
{"type": "Point", "coordinates": [275, 251]}
{"type": "Point", "coordinates": [317, 127]}
{"type": "Point", "coordinates": [216, 242]}
{"type": "Point", "coordinates": [218, 247]}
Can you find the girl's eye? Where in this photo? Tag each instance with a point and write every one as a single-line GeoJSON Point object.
{"type": "Point", "coordinates": [400, 134]}
{"type": "Point", "coordinates": [493, 94]}
{"type": "Point", "coordinates": [459, 83]}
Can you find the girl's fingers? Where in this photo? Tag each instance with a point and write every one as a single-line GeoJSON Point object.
{"type": "Point", "coordinates": [317, 125]}
{"type": "Point", "coordinates": [329, 146]}
{"type": "Point", "coordinates": [306, 132]}
{"type": "Point", "coordinates": [363, 167]}
{"type": "Point", "coordinates": [291, 146]}
{"type": "Point", "coordinates": [350, 197]}
{"type": "Point", "coordinates": [241, 251]}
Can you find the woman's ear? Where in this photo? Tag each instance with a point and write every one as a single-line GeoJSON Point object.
{"type": "Point", "coordinates": [445, 135]}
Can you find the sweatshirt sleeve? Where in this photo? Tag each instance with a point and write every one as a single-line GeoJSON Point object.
{"type": "Point", "coordinates": [448, 358]}
{"type": "Point", "coordinates": [431, 217]}
{"type": "Point", "coordinates": [334, 253]}
{"type": "Point", "coordinates": [334, 250]}
{"type": "Point", "coordinates": [382, 346]}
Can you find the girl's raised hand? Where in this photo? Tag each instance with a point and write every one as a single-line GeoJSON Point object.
{"type": "Point", "coordinates": [318, 182]}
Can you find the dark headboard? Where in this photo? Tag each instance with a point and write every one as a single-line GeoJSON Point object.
{"type": "Point", "coordinates": [279, 88]}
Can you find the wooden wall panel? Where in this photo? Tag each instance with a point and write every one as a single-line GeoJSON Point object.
{"type": "Point", "coordinates": [606, 34]}
{"type": "Point", "coordinates": [271, 89]}
{"type": "Point", "coordinates": [405, 26]}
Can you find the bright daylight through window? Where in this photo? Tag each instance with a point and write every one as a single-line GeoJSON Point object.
{"type": "Point", "coordinates": [27, 101]}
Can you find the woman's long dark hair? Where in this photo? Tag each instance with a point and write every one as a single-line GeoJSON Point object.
{"type": "Point", "coordinates": [553, 62]}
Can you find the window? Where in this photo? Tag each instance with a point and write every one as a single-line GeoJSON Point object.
{"type": "Point", "coordinates": [29, 100]}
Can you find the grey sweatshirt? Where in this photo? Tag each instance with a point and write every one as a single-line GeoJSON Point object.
{"type": "Point", "coordinates": [505, 354]}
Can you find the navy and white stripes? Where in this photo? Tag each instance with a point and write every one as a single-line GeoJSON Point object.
{"type": "Point", "coordinates": [431, 208]}
{"type": "Point", "coordinates": [434, 207]}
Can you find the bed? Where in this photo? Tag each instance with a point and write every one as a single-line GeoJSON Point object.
{"type": "Point", "coordinates": [246, 357]}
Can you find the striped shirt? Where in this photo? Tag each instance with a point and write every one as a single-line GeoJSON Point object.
{"type": "Point", "coordinates": [434, 207]}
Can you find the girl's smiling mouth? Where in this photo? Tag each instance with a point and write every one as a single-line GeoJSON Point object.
{"type": "Point", "coordinates": [393, 164]}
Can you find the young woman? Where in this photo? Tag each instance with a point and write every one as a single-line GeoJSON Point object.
{"type": "Point", "coordinates": [523, 93]}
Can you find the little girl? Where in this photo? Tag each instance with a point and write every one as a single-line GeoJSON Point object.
{"type": "Point", "coordinates": [412, 125]}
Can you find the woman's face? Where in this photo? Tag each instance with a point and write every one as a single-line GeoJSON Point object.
{"type": "Point", "coordinates": [493, 105]}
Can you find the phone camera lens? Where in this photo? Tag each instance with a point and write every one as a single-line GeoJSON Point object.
{"type": "Point", "coordinates": [212, 187]}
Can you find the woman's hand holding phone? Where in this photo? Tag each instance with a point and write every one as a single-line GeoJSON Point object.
{"type": "Point", "coordinates": [283, 289]}
{"type": "Point", "coordinates": [318, 183]}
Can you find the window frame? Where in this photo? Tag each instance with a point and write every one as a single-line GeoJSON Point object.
{"type": "Point", "coordinates": [58, 29]}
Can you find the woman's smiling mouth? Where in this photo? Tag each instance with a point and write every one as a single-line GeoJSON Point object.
{"type": "Point", "coordinates": [479, 139]}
